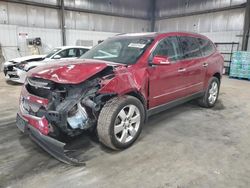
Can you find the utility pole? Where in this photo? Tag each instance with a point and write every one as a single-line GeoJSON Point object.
{"type": "Point", "coordinates": [246, 30]}
{"type": "Point", "coordinates": [62, 19]}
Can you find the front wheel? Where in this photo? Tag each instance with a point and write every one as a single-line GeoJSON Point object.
{"type": "Point", "coordinates": [211, 95]}
{"type": "Point", "coordinates": [120, 122]}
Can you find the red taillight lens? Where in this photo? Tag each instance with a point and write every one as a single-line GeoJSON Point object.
{"type": "Point", "coordinates": [42, 125]}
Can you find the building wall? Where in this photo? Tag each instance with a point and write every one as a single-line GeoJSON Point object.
{"type": "Point", "coordinates": [177, 7]}
{"type": "Point", "coordinates": [223, 26]}
{"type": "Point", "coordinates": [95, 22]}
{"type": "Point", "coordinates": [138, 8]}
{"type": "Point", "coordinates": [45, 23]}
{"type": "Point", "coordinates": [14, 45]}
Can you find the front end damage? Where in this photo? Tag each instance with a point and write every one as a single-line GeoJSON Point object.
{"type": "Point", "coordinates": [51, 111]}
{"type": "Point", "coordinates": [14, 73]}
{"type": "Point", "coordinates": [14, 70]}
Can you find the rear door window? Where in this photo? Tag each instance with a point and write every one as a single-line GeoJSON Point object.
{"type": "Point", "coordinates": [189, 47]}
{"type": "Point", "coordinates": [206, 46]}
{"type": "Point", "coordinates": [67, 53]}
{"type": "Point", "coordinates": [72, 52]}
{"type": "Point", "coordinates": [168, 47]}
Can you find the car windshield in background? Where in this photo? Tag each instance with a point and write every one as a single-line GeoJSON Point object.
{"type": "Point", "coordinates": [52, 52]}
{"type": "Point", "coordinates": [119, 50]}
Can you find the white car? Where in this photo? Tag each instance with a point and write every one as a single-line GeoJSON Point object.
{"type": "Point", "coordinates": [16, 69]}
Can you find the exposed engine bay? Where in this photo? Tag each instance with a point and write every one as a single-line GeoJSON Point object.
{"type": "Point", "coordinates": [71, 108]}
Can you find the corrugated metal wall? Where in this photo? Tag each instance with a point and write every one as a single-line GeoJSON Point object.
{"type": "Point", "coordinates": [222, 26]}
{"type": "Point", "coordinates": [137, 8]}
{"type": "Point", "coordinates": [231, 20]}
{"type": "Point", "coordinates": [10, 40]}
{"type": "Point", "coordinates": [45, 23]}
{"type": "Point", "coordinates": [167, 8]}
{"type": "Point", "coordinates": [33, 16]}
{"type": "Point", "coordinates": [74, 35]}
{"type": "Point", "coordinates": [95, 22]}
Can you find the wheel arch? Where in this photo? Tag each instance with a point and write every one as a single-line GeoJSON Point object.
{"type": "Point", "coordinates": [136, 94]}
{"type": "Point", "coordinates": [142, 99]}
{"type": "Point", "coordinates": [217, 75]}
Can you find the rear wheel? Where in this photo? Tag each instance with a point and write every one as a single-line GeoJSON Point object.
{"type": "Point", "coordinates": [211, 95]}
{"type": "Point", "coordinates": [120, 122]}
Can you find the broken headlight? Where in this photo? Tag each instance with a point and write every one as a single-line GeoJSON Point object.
{"type": "Point", "coordinates": [21, 65]}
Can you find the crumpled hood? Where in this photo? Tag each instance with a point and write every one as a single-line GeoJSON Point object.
{"type": "Point", "coordinates": [41, 63]}
{"type": "Point", "coordinates": [26, 58]}
{"type": "Point", "coordinates": [69, 72]}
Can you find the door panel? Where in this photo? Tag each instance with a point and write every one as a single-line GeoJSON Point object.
{"type": "Point", "coordinates": [192, 64]}
{"type": "Point", "coordinates": [193, 76]}
{"type": "Point", "coordinates": [165, 82]}
{"type": "Point", "coordinates": [207, 49]}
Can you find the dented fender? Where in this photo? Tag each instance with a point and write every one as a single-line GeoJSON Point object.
{"type": "Point", "coordinates": [127, 80]}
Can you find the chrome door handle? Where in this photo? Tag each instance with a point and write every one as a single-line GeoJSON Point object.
{"type": "Point", "coordinates": [205, 64]}
{"type": "Point", "coordinates": [181, 70]}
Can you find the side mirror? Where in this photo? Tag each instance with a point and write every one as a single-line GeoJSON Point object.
{"type": "Point", "coordinates": [57, 57]}
{"type": "Point", "coordinates": [161, 60]}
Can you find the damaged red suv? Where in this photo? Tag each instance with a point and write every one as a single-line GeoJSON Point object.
{"type": "Point", "coordinates": [116, 86]}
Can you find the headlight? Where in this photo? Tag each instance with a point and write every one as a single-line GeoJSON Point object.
{"type": "Point", "coordinates": [21, 66]}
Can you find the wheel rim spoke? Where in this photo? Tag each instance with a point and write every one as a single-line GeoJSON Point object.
{"type": "Point", "coordinates": [209, 98]}
{"type": "Point", "coordinates": [132, 131]}
{"type": "Point", "coordinates": [122, 115]}
{"type": "Point", "coordinates": [131, 110]}
{"type": "Point", "coordinates": [124, 136]}
{"type": "Point", "coordinates": [135, 119]}
{"type": "Point", "coordinates": [215, 87]}
{"type": "Point", "coordinates": [213, 92]}
{"type": "Point", "coordinates": [119, 128]}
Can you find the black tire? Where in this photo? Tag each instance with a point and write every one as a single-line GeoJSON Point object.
{"type": "Point", "coordinates": [108, 117]}
{"type": "Point", "coordinates": [204, 101]}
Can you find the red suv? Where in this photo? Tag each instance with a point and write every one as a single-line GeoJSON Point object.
{"type": "Point", "coordinates": [116, 86]}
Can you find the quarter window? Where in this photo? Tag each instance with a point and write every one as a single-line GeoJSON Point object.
{"type": "Point", "coordinates": [190, 47]}
{"type": "Point", "coordinates": [168, 47]}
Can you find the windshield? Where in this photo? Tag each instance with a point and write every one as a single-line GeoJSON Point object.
{"type": "Point", "coordinates": [52, 52]}
{"type": "Point", "coordinates": [119, 50]}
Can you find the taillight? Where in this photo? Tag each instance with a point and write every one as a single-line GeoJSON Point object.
{"type": "Point", "coordinates": [42, 125]}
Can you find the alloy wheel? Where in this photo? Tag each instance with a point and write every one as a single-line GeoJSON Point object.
{"type": "Point", "coordinates": [213, 93]}
{"type": "Point", "coordinates": [127, 123]}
